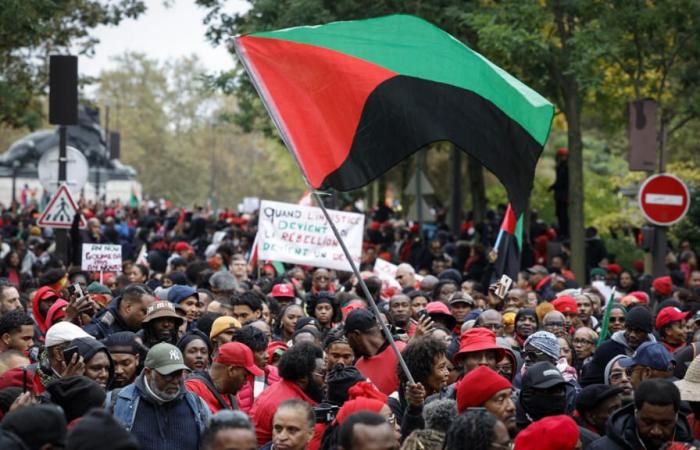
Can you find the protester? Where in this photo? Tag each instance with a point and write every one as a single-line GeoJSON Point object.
{"type": "Point", "coordinates": [228, 373]}
{"type": "Point", "coordinates": [229, 430]}
{"type": "Point", "coordinates": [302, 371]}
{"type": "Point", "coordinates": [367, 430]}
{"type": "Point", "coordinates": [156, 408]}
{"type": "Point", "coordinates": [125, 352]}
{"type": "Point", "coordinates": [594, 405]}
{"type": "Point", "coordinates": [374, 353]}
{"type": "Point", "coordinates": [16, 331]}
{"type": "Point", "coordinates": [652, 421]}
{"type": "Point", "coordinates": [481, 429]}
{"type": "Point", "coordinates": [125, 313]}
{"type": "Point", "coordinates": [494, 393]}
{"type": "Point", "coordinates": [196, 349]}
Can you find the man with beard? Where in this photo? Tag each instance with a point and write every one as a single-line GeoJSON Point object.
{"type": "Point", "coordinates": [161, 324]}
{"type": "Point", "coordinates": [652, 421]}
{"type": "Point", "coordinates": [303, 371]}
{"type": "Point", "coordinates": [125, 313]}
{"type": "Point", "coordinates": [9, 298]}
{"type": "Point", "coordinates": [226, 376]}
{"type": "Point", "coordinates": [126, 355]}
{"type": "Point", "coordinates": [638, 328]}
{"type": "Point", "coordinates": [156, 408]}
{"type": "Point", "coordinates": [482, 387]}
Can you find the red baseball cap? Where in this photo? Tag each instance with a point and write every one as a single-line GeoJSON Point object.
{"type": "Point", "coordinates": [238, 355]}
{"type": "Point", "coordinates": [283, 290]}
{"type": "Point", "coordinates": [550, 433]}
{"type": "Point", "coordinates": [670, 314]}
{"type": "Point", "coordinates": [565, 304]}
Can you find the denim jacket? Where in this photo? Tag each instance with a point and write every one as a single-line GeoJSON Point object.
{"type": "Point", "coordinates": [124, 406]}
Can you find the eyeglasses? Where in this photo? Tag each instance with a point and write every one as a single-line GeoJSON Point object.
{"type": "Point", "coordinates": [492, 326]}
{"type": "Point", "coordinates": [616, 320]}
{"type": "Point", "coordinates": [583, 341]}
{"type": "Point", "coordinates": [554, 324]}
{"type": "Point", "coordinates": [319, 278]}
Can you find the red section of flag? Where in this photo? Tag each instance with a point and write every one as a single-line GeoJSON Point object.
{"type": "Point", "coordinates": [317, 96]}
{"type": "Point", "coordinates": [509, 221]}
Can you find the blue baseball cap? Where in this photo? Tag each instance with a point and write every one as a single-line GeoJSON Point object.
{"type": "Point", "coordinates": [178, 293]}
{"type": "Point", "coordinates": [650, 354]}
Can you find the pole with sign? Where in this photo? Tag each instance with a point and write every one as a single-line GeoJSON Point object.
{"type": "Point", "coordinates": [664, 200]}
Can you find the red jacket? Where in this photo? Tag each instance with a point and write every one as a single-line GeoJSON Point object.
{"type": "Point", "coordinates": [266, 404]}
{"type": "Point", "coordinates": [245, 395]}
{"type": "Point", "coordinates": [198, 387]}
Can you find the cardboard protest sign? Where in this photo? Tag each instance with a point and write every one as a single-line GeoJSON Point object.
{"type": "Point", "coordinates": [301, 235]}
{"type": "Point", "coordinates": [102, 258]}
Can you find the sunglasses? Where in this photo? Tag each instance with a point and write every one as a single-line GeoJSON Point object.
{"type": "Point", "coordinates": [616, 320]}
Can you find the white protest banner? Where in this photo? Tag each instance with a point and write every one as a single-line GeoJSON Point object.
{"type": "Point", "coordinates": [300, 235]}
{"type": "Point", "coordinates": [102, 258]}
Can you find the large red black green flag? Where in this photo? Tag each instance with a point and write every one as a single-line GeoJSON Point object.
{"type": "Point", "coordinates": [352, 99]}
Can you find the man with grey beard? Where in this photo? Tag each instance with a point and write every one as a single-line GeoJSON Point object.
{"type": "Point", "coordinates": [156, 408]}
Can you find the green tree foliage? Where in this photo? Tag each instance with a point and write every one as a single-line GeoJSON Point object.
{"type": "Point", "coordinates": [173, 133]}
{"type": "Point", "coordinates": [31, 30]}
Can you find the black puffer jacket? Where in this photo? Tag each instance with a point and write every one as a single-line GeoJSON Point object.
{"type": "Point", "coordinates": [622, 431]}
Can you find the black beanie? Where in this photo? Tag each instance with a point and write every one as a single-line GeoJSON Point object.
{"type": "Point", "coordinates": [339, 380]}
{"type": "Point", "coordinates": [97, 429]}
{"type": "Point", "coordinates": [37, 425]}
{"type": "Point", "coordinates": [639, 318]}
{"type": "Point", "coordinates": [76, 395]}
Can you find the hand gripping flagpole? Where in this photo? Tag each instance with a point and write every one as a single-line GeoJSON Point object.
{"type": "Point", "coordinates": [267, 101]}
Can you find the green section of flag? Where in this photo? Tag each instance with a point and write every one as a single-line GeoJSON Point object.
{"type": "Point", "coordinates": [411, 46]}
{"type": "Point", "coordinates": [519, 233]}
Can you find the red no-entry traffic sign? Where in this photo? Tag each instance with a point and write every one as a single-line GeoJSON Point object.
{"type": "Point", "coordinates": [664, 199]}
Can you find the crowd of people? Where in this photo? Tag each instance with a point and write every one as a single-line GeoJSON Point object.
{"type": "Point", "coordinates": [192, 347]}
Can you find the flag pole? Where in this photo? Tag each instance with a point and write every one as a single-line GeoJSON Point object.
{"type": "Point", "coordinates": [606, 318]}
{"type": "Point", "coordinates": [282, 129]}
{"type": "Point", "coordinates": [363, 286]}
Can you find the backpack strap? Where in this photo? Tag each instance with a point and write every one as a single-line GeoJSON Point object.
{"type": "Point", "coordinates": [219, 398]}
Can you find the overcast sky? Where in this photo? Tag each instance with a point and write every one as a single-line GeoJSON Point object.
{"type": "Point", "coordinates": [162, 33]}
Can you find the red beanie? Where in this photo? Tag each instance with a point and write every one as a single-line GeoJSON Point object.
{"type": "Point", "coordinates": [663, 285]}
{"type": "Point", "coordinates": [365, 389]}
{"type": "Point", "coordinates": [350, 407]}
{"type": "Point", "coordinates": [550, 433]}
{"type": "Point", "coordinates": [478, 386]}
{"type": "Point", "coordinates": [565, 304]}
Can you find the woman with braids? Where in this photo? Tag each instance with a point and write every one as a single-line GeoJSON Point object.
{"type": "Point", "coordinates": [426, 358]}
{"type": "Point", "coordinates": [325, 308]}
{"type": "Point", "coordinates": [480, 429]}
